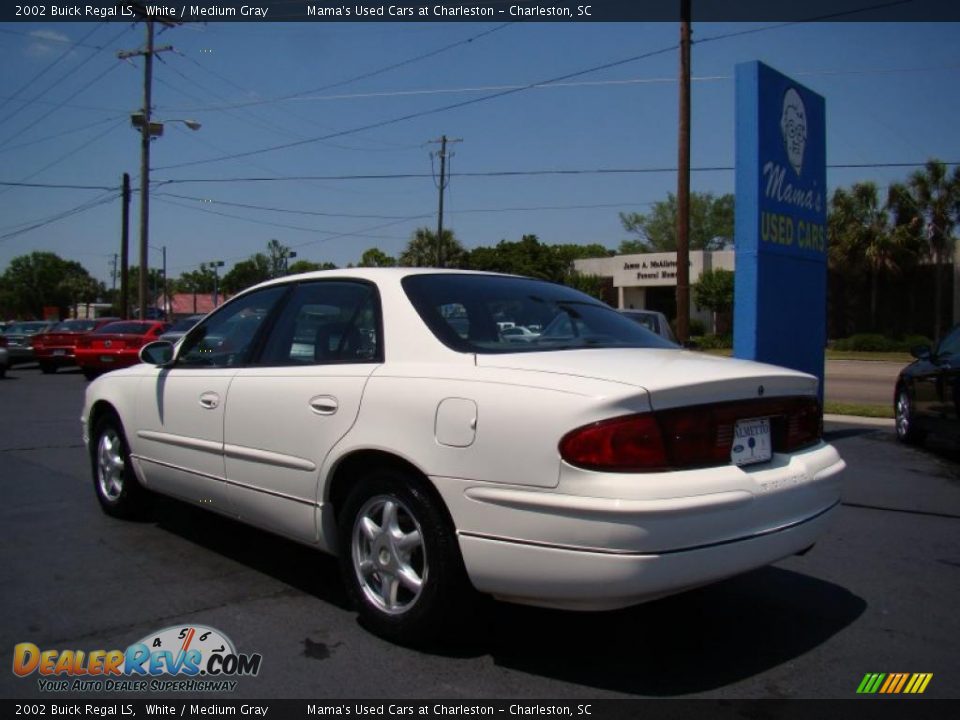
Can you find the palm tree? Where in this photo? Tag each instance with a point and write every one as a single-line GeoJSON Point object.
{"type": "Point", "coordinates": [928, 206]}
{"type": "Point", "coordinates": [860, 231]}
{"type": "Point", "coordinates": [422, 249]}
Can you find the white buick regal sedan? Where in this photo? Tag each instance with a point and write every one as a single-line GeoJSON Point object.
{"type": "Point", "coordinates": [381, 415]}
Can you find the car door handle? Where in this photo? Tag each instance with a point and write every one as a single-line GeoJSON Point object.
{"type": "Point", "coordinates": [209, 400]}
{"type": "Point", "coordinates": [324, 404]}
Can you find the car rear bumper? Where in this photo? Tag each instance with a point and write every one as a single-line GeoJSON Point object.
{"type": "Point", "coordinates": [602, 541]}
{"type": "Point", "coordinates": [574, 579]}
{"type": "Point", "coordinates": [106, 359]}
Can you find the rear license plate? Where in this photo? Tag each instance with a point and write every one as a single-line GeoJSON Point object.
{"type": "Point", "coordinates": [106, 358]}
{"type": "Point", "coordinates": [751, 442]}
{"type": "Point", "coordinates": [60, 352]}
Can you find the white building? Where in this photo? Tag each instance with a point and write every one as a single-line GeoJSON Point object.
{"type": "Point", "coordinates": [649, 280]}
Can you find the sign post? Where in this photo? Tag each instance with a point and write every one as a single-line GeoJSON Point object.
{"type": "Point", "coordinates": [781, 222]}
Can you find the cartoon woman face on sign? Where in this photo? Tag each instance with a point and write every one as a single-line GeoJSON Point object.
{"type": "Point", "coordinates": [793, 126]}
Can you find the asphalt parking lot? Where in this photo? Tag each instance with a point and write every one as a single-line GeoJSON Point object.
{"type": "Point", "coordinates": [877, 594]}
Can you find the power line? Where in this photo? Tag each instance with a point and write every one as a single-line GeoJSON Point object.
{"type": "Point", "coordinates": [285, 225]}
{"type": "Point", "coordinates": [71, 73]}
{"type": "Point", "coordinates": [371, 73]}
{"type": "Point", "coordinates": [54, 186]}
{"type": "Point", "coordinates": [516, 173]}
{"type": "Point", "coordinates": [44, 70]}
{"type": "Point", "coordinates": [84, 207]}
{"type": "Point", "coordinates": [62, 133]}
{"type": "Point", "coordinates": [82, 146]}
{"type": "Point", "coordinates": [424, 113]}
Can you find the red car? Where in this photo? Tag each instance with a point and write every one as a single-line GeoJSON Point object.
{"type": "Point", "coordinates": [115, 345]}
{"type": "Point", "coordinates": [55, 348]}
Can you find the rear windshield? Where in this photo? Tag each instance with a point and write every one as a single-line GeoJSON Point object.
{"type": "Point", "coordinates": [482, 314]}
{"type": "Point", "coordinates": [124, 328]}
{"type": "Point", "coordinates": [74, 326]}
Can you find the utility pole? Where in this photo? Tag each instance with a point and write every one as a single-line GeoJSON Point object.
{"type": "Point", "coordinates": [113, 271]}
{"type": "Point", "coordinates": [683, 181]}
{"type": "Point", "coordinates": [441, 186]}
{"type": "Point", "coordinates": [145, 132]}
{"type": "Point", "coordinates": [125, 249]}
{"type": "Point", "coordinates": [166, 294]}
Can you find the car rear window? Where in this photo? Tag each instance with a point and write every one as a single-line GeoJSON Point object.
{"type": "Point", "coordinates": [74, 326]}
{"type": "Point", "coordinates": [124, 328]}
{"type": "Point", "coordinates": [470, 313]}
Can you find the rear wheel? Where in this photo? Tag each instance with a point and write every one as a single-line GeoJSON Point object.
{"type": "Point", "coordinates": [117, 488]}
{"type": "Point", "coordinates": [90, 374]}
{"type": "Point", "coordinates": [907, 431]}
{"type": "Point", "coordinates": [400, 560]}
{"type": "Point", "coordinates": [47, 368]}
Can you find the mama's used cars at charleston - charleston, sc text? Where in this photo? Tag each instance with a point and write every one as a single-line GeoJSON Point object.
{"type": "Point", "coordinates": [379, 414]}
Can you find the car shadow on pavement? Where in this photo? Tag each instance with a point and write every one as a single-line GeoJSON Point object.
{"type": "Point", "coordinates": [689, 643]}
{"type": "Point", "coordinates": [269, 554]}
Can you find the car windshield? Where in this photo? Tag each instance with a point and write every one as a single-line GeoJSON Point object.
{"type": "Point", "coordinates": [470, 313]}
{"type": "Point", "coordinates": [124, 328]}
{"type": "Point", "coordinates": [74, 326]}
{"type": "Point", "coordinates": [184, 324]}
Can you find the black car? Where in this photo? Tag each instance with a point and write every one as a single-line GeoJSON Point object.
{"type": "Point", "coordinates": [927, 398]}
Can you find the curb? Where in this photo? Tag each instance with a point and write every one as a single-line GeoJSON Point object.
{"type": "Point", "coordinates": [858, 420]}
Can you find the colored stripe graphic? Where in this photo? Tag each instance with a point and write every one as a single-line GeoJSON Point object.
{"type": "Point", "coordinates": [894, 683]}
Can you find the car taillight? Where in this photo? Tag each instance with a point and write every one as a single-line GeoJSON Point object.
{"type": "Point", "coordinates": [687, 437]}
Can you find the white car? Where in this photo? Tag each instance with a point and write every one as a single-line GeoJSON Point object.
{"type": "Point", "coordinates": [589, 470]}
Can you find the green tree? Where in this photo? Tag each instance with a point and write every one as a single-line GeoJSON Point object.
{"type": "Point", "coordinates": [43, 279]}
{"type": "Point", "coordinates": [375, 257]}
{"type": "Point", "coordinates": [928, 206]}
{"type": "Point", "coordinates": [246, 273]}
{"type": "Point", "coordinates": [714, 291]}
{"type": "Point", "coordinates": [278, 256]}
{"type": "Point", "coordinates": [421, 250]}
{"type": "Point", "coordinates": [862, 239]}
{"type": "Point", "coordinates": [197, 281]}
{"type": "Point", "coordinates": [711, 224]}
{"type": "Point", "coordinates": [302, 266]}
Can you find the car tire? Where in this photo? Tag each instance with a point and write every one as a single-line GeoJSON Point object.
{"type": "Point", "coordinates": [48, 368]}
{"type": "Point", "coordinates": [400, 560]}
{"type": "Point", "coordinates": [3, 371]}
{"type": "Point", "coordinates": [118, 490]}
{"type": "Point", "coordinates": [90, 374]}
{"type": "Point", "coordinates": [904, 421]}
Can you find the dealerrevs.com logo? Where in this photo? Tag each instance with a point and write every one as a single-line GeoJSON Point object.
{"type": "Point", "coordinates": [192, 658]}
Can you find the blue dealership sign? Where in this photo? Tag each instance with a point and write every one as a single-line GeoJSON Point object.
{"type": "Point", "coordinates": [781, 221]}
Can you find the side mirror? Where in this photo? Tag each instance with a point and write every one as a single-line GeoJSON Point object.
{"type": "Point", "coordinates": [158, 353]}
{"type": "Point", "coordinates": [921, 352]}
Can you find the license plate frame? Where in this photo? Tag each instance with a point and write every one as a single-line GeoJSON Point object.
{"type": "Point", "coordinates": [752, 442]}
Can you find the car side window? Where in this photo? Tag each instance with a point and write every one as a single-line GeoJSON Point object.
{"type": "Point", "coordinates": [327, 322]}
{"type": "Point", "coordinates": [950, 345]}
{"type": "Point", "coordinates": [227, 337]}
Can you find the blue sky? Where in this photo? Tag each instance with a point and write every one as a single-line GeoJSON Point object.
{"type": "Point", "coordinates": [891, 95]}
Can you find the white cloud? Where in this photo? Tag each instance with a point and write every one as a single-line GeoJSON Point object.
{"type": "Point", "coordinates": [47, 42]}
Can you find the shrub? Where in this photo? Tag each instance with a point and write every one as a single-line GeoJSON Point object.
{"type": "Point", "coordinates": [714, 342]}
{"type": "Point", "coordinates": [874, 342]}
{"type": "Point", "coordinates": [697, 327]}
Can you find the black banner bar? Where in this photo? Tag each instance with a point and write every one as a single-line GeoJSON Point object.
{"type": "Point", "coordinates": [863, 709]}
{"type": "Point", "coordinates": [180, 11]}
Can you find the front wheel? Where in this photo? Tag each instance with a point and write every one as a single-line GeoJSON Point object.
{"type": "Point", "coordinates": [906, 426]}
{"type": "Point", "coordinates": [400, 560]}
{"type": "Point", "coordinates": [114, 482]}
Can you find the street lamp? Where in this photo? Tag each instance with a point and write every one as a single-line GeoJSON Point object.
{"type": "Point", "coordinates": [148, 129]}
{"type": "Point", "coordinates": [216, 278]}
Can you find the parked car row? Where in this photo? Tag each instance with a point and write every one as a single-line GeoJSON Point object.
{"type": "Point", "coordinates": [95, 345]}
